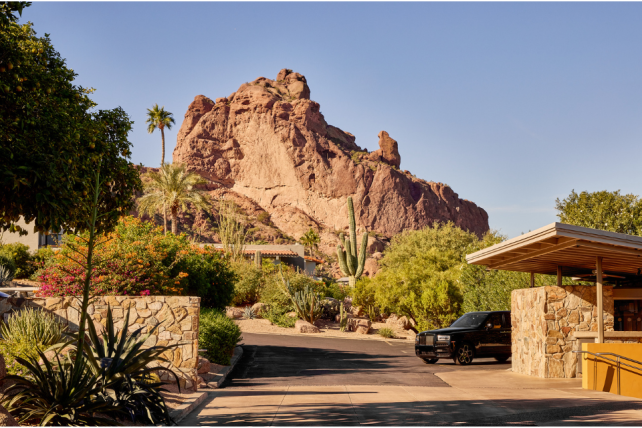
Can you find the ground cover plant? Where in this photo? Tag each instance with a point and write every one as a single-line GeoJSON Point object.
{"type": "Point", "coordinates": [386, 332]}
{"type": "Point", "coordinates": [218, 334]}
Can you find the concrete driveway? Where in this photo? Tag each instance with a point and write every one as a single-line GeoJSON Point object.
{"type": "Point", "coordinates": [291, 380]}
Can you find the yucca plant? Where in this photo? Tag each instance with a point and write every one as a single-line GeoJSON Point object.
{"type": "Point", "coordinates": [6, 274]}
{"type": "Point", "coordinates": [248, 313]}
{"type": "Point", "coordinates": [33, 326]}
{"type": "Point", "coordinates": [65, 393]}
{"type": "Point", "coordinates": [126, 372]}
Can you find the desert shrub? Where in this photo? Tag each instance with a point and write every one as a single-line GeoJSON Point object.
{"type": "Point", "coordinates": [386, 332]}
{"type": "Point", "coordinates": [8, 264]}
{"type": "Point", "coordinates": [25, 333]}
{"type": "Point", "coordinates": [330, 308]}
{"type": "Point", "coordinates": [218, 335]}
{"type": "Point", "coordinates": [273, 290]}
{"type": "Point", "coordinates": [21, 257]}
{"type": "Point", "coordinates": [40, 259]}
{"type": "Point", "coordinates": [336, 291]}
{"type": "Point", "coordinates": [279, 316]}
{"type": "Point", "coordinates": [364, 293]}
{"type": "Point", "coordinates": [209, 275]}
{"type": "Point", "coordinates": [264, 217]}
{"type": "Point", "coordinates": [420, 272]}
{"type": "Point", "coordinates": [138, 259]}
{"type": "Point", "coordinates": [248, 282]}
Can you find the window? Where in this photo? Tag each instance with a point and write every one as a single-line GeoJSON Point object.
{"type": "Point", "coordinates": [506, 321]}
{"type": "Point", "coordinates": [496, 320]}
{"type": "Point", "coordinates": [469, 320]}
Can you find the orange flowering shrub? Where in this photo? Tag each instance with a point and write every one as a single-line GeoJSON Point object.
{"type": "Point", "coordinates": [138, 259]}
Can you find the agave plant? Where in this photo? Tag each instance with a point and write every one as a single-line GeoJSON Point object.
{"type": "Point", "coordinates": [248, 313]}
{"type": "Point", "coordinates": [127, 370]}
{"type": "Point", "coordinates": [62, 394]}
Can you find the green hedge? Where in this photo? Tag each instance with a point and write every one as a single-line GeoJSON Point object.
{"type": "Point", "coordinates": [218, 334]}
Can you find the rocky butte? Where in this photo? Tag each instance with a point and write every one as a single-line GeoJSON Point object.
{"type": "Point", "coordinates": [268, 146]}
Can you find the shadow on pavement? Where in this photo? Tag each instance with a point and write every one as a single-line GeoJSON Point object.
{"type": "Point", "coordinates": [339, 408]}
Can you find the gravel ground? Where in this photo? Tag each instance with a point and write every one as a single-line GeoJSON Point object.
{"type": "Point", "coordinates": [328, 329]}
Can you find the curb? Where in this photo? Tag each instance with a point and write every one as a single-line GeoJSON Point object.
{"type": "Point", "coordinates": [222, 374]}
{"type": "Point", "coordinates": [186, 408]}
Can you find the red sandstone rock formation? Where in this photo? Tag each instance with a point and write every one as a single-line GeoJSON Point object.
{"type": "Point", "coordinates": [270, 143]}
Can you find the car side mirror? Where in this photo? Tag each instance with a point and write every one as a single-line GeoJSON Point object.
{"type": "Point", "coordinates": [489, 325]}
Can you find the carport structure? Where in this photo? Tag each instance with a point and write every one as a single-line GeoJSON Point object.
{"type": "Point", "coordinates": [562, 315]}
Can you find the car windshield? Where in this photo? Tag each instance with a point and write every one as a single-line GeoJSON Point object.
{"type": "Point", "coordinates": [470, 320]}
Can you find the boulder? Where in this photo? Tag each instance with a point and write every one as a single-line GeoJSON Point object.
{"type": "Point", "coordinates": [204, 365]}
{"type": "Point", "coordinates": [6, 420]}
{"type": "Point", "coordinates": [355, 323]}
{"type": "Point", "coordinates": [292, 314]}
{"type": "Point", "coordinates": [305, 327]}
{"type": "Point", "coordinates": [258, 309]}
{"type": "Point", "coordinates": [201, 382]}
{"type": "Point", "coordinates": [362, 329]}
{"type": "Point", "coordinates": [234, 313]}
{"type": "Point", "coordinates": [3, 369]}
{"type": "Point", "coordinates": [388, 151]}
{"type": "Point", "coordinates": [398, 322]}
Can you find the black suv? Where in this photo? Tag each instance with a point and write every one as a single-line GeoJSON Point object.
{"type": "Point", "coordinates": [475, 334]}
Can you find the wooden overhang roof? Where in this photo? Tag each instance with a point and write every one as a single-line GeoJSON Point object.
{"type": "Point", "coordinates": [574, 248]}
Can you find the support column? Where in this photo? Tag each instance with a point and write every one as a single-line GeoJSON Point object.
{"type": "Point", "coordinates": [600, 300]}
{"type": "Point", "coordinates": [532, 279]}
{"type": "Point", "coordinates": [559, 276]}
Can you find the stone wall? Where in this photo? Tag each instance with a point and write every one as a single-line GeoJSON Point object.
{"type": "Point", "coordinates": [544, 320]}
{"type": "Point", "coordinates": [176, 316]}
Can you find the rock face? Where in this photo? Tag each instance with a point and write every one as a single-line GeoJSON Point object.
{"type": "Point", "coordinates": [269, 143]}
{"type": "Point", "coordinates": [388, 151]}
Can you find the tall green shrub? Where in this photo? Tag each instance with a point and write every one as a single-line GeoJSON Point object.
{"type": "Point", "coordinates": [218, 335]}
{"type": "Point", "coordinates": [21, 257]}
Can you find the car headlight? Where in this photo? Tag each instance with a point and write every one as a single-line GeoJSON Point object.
{"type": "Point", "coordinates": [443, 338]}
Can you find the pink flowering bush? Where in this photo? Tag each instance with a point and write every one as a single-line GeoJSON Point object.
{"type": "Point", "coordinates": [137, 259]}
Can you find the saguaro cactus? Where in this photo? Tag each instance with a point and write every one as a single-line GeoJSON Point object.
{"type": "Point", "coordinates": [350, 262]}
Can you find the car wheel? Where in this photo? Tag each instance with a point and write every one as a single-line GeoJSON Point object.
{"type": "Point", "coordinates": [430, 360]}
{"type": "Point", "coordinates": [464, 354]}
{"type": "Point", "coordinates": [503, 358]}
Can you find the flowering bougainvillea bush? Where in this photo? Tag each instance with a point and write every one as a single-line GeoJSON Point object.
{"type": "Point", "coordinates": [137, 259]}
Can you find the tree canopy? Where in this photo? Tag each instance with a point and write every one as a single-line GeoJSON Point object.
{"type": "Point", "coordinates": [602, 210]}
{"type": "Point", "coordinates": [52, 139]}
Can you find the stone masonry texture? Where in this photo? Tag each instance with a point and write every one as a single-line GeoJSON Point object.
{"type": "Point", "coordinates": [176, 317]}
{"type": "Point", "coordinates": [543, 322]}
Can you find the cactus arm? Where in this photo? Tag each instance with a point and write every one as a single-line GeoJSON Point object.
{"type": "Point", "coordinates": [353, 228]}
{"type": "Point", "coordinates": [362, 256]}
{"type": "Point", "coordinates": [341, 255]}
{"type": "Point", "coordinates": [350, 258]}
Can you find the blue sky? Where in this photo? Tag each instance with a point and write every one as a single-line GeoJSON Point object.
{"type": "Point", "coordinates": [512, 104]}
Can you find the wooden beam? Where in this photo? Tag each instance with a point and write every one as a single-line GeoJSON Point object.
{"type": "Point", "coordinates": [610, 248]}
{"type": "Point", "coordinates": [533, 254]}
{"type": "Point", "coordinates": [600, 301]}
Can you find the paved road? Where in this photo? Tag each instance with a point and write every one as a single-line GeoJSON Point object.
{"type": "Point", "coordinates": [292, 380]}
{"type": "Point", "coordinates": [292, 360]}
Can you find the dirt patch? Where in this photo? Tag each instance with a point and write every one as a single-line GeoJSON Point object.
{"type": "Point", "coordinates": [328, 329]}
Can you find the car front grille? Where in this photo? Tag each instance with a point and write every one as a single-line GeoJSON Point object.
{"type": "Point", "coordinates": [426, 340]}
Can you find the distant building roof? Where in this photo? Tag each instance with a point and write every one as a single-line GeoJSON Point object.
{"type": "Point", "coordinates": [312, 259]}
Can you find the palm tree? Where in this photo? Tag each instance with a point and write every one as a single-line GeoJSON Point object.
{"type": "Point", "coordinates": [173, 187]}
{"type": "Point", "coordinates": [158, 117]}
{"type": "Point", "coordinates": [310, 239]}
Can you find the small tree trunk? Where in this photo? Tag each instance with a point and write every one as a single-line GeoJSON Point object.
{"type": "Point", "coordinates": [163, 155]}
{"type": "Point", "coordinates": [174, 225]}
{"type": "Point", "coordinates": [165, 219]}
